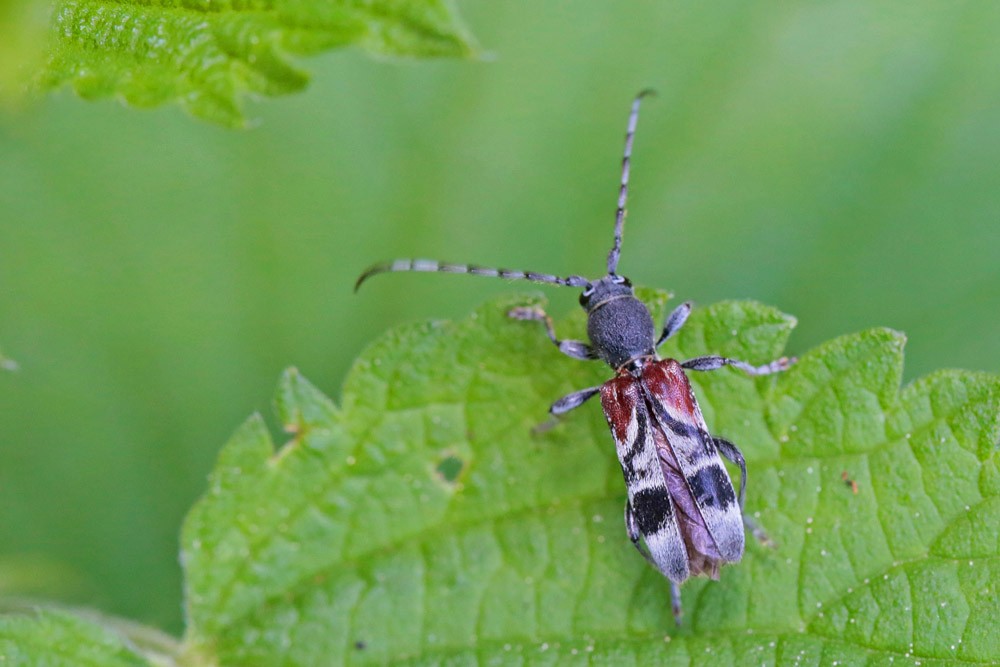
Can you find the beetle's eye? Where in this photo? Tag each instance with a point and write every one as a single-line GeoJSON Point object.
{"type": "Point", "coordinates": [585, 296]}
{"type": "Point", "coordinates": [626, 282]}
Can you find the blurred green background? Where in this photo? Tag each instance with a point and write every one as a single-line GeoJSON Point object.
{"type": "Point", "coordinates": [838, 160]}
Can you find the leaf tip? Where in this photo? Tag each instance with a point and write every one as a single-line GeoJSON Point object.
{"type": "Point", "coordinates": [299, 404]}
{"type": "Point", "coordinates": [250, 443]}
{"type": "Point", "coordinates": [894, 336]}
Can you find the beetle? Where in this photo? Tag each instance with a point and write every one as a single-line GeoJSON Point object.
{"type": "Point", "coordinates": [682, 514]}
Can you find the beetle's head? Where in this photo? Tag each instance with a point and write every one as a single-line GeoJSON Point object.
{"type": "Point", "coordinates": [599, 292]}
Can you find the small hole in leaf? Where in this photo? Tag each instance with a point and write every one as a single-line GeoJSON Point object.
{"type": "Point", "coordinates": [450, 467]}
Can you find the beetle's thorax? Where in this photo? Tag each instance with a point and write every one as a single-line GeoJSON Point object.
{"type": "Point", "coordinates": [619, 326]}
{"type": "Point", "coordinates": [634, 367]}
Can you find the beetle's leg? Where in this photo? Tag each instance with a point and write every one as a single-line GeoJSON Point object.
{"type": "Point", "coordinates": [758, 532]}
{"type": "Point", "coordinates": [632, 528]}
{"type": "Point", "coordinates": [571, 348]}
{"type": "Point", "coordinates": [564, 405]}
{"type": "Point", "coordinates": [733, 453]}
{"type": "Point", "coordinates": [714, 362]}
{"type": "Point", "coordinates": [675, 602]}
{"type": "Point", "coordinates": [674, 321]}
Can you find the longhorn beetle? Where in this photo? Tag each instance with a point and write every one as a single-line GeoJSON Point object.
{"type": "Point", "coordinates": [682, 514]}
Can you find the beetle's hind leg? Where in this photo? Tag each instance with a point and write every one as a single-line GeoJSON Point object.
{"type": "Point", "coordinates": [758, 531]}
{"type": "Point", "coordinates": [733, 453]}
{"type": "Point", "coordinates": [675, 602]}
{"type": "Point", "coordinates": [632, 528]}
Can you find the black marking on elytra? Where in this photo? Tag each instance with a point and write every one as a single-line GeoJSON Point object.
{"type": "Point", "coordinates": [683, 429]}
{"type": "Point", "coordinates": [636, 446]}
{"type": "Point", "coordinates": [679, 427]}
{"type": "Point", "coordinates": [711, 487]}
{"type": "Point", "coordinates": [652, 509]}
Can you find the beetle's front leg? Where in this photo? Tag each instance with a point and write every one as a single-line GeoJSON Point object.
{"type": "Point", "coordinates": [571, 348]}
{"type": "Point", "coordinates": [674, 321]}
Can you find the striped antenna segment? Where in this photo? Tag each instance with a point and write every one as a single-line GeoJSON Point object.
{"type": "Point", "coordinates": [432, 266]}
{"type": "Point", "coordinates": [633, 118]}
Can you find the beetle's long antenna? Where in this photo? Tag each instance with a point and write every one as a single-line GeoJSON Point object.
{"type": "Point", "coordinates": [430, 265]}
{"type": "Point", "coordinates": [633, 118]}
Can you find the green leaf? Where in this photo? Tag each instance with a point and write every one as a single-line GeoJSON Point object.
{"type": "Point", "coordinates": [419, 522]}
{"type": "Point", "coordinates": [207, 56]}
{"type": "Point", "coordinates": [50, 638]}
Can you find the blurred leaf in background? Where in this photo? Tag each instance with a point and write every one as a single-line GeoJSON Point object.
{"type": "Point", "coordinates": [6, 363]}
{"type": "Point", "coordinates": [22, 38]}
{"type": "Point", "coordinates": [157, 273]}
{"type": "Point", "coordinates": [207, 56]}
